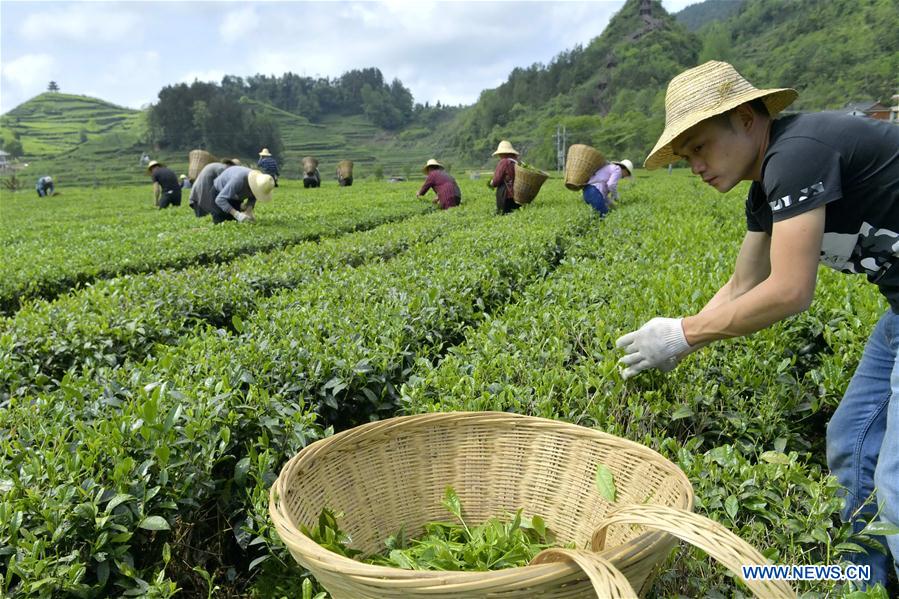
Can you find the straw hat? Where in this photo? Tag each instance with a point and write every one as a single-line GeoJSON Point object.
{"type": "Point", "coordinates": [261, 185]}
{"type": "Point", "coordinates": [231, 161]}
{"type": "Point", "coordinates": [626, 164]}
{"type": "Point", "coordinates": [505, 147]}
{"type": "Point", "coordinates": [431, 162]}
{"type": "Point", "coordinates": [265, 152]}
{"type": "Point", "coordinates": [152, 164]}
{"type": "Point", "coordinates": [182, 177]}
{"type": "Point", "coordinates": [703, 92]}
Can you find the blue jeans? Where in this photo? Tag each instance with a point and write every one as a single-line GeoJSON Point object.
{"type": "Point", "coordinates": [863, 441]}
{"type": "Point", "coordinates": [594, 198]}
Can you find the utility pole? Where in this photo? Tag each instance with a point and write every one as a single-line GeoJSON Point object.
{"type": "Point", "coordinates": [561, 146]}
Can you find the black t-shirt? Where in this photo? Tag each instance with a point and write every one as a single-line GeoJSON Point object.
{"type": "Point", "coordinates": [166, 178]}
{"type": "Point", "coordinates": [851, 165]}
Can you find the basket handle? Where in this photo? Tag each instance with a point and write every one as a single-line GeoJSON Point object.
{"type": "Point", "coordinates": [699, 531]}
{"type": "Point", "coordinates": [608, 581]}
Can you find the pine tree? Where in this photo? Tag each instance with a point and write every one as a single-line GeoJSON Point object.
{"type": "Point", "coordinates": [52, 87]}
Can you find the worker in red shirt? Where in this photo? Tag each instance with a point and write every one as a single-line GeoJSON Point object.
{"type": "Point", "coordinates": [504, 177]}
{"type": "Point", "coordinates": [448, 193]}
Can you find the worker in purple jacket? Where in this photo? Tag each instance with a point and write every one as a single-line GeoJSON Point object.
{"type": "Point", "coordinates": [601, 190]}
{"type": "Point", "coordinates": [448, 193]}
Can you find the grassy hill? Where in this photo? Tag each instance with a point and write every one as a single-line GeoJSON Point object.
{"type": "Point", "coordinates": [609, 93]}
{"type": "Point", "coordinates": [86, 141]}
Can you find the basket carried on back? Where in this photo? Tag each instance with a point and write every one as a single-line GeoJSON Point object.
{"type": "Point", "coordinates": [309, 164]}
{"type": "Point", "coordinates": [527, 184]}
{"type": "Point", "coordinates": [197, 160]}
{"type": "Point", "coordinates": [345, 168]}
{"type": "Point", "coordinates": [581, 163]}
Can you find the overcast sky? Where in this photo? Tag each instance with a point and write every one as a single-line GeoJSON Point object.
{"type": "Point", "coordinates": [125, 52]}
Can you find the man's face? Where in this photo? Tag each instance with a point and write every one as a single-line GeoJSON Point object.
{"type": "Point", "coordinates": [720, 150]}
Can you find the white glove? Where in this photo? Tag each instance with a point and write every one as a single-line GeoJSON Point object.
{"type": "Point", "coordinates": [242, 217]}
{"type": "Point", "coordinates": [660, 343]}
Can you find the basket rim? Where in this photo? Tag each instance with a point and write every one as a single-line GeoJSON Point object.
{"type": "Point", "coordinates": [327, 560]}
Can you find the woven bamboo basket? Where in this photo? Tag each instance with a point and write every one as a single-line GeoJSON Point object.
{"type": "Point", "coordinates": [197, 159]}
{"type": "Point", "coordinates": [392, 473]}
{"type": "Point", "coordinates": [527, 184]}
{"type": "Point", "coordinates": [581, 163]}
{"type": "Point", "coordinates": [345, 168]}
{"type": "Point", "coordinates": [309, 164]}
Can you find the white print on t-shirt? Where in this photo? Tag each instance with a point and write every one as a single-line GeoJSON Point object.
{"type": "Point", "coordinates": [871, 251]}
{"type": "Point", "coordinates": [804, 194]}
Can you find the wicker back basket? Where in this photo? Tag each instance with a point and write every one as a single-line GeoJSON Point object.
{"type": "Point", "coordinates": [527, 184]}
{"type": "Point", "coordinates": [581, 163]}
{"type": "Point", "coordinates": [197, 159]}
{"type": "Point", "coordinates": [309, 164]}
{"type": "Point", "coordinates": [345, 168]}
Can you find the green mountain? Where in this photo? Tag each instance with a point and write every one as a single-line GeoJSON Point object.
{"type": "Point", "coordinates": [609, 93]}
{"type": "Point", "coordinates": [697, 15]}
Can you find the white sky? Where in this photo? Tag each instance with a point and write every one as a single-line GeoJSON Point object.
{"type": "Point", "coordinates": [125, 52]}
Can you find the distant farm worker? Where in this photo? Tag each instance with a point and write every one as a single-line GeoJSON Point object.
{"type": "Point", "coordinates": [444, 185]}
{"type": "Point", "coordinates": [601, 191]}
{"type": "Point", "coordinates": [185, 182]}
{"type": "Point", "coordinates": [504, 177]}
{"type": "Point", "coordinates": [268, 165]}
{"type": "Point", "coordinates": [44, 186]}
{"type": "Point", "coordinates": [825, 188]}
{"type": "Point", "coordinates": [345, 173]}
{"type": "Point", "coordinates": [166, 188]}
{"type": "Point", "coordinates": [220, 190]}
{"type": "Point", "coordinates": [311, 176]}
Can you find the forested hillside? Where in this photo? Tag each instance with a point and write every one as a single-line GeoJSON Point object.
{"type": "Point", "coordinates": [611, 92]}
{"type": "Point", "coordinates": [608, 93]}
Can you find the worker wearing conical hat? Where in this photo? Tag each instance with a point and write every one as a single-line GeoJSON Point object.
{"type": "Point", "coordinates": [601, 190]}
{"type": "Point", "coordinates": [166, 187]}
{"type": "Point", "coordinates": [825, 188]}
{"type": "Point", "coordinates": [229, 192]}
{"type": "Point", "coordinates": [268, 165]}
{"type": "Point", "coordinates": [448, 192]}
{"type": "Point", "coordinates": [504, 177]}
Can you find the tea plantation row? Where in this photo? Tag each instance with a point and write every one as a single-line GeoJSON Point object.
{"type": "Point", "coordinates": [144, 418]}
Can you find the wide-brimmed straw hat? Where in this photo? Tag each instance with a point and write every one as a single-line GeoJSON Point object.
{"type": "Point", "coordinates": [505, 147]}
{"type": "Point", "coordinates": [182, 177]}
{"type": "Point", "coordinates": [152, 164]}
{"type": "Point", "coordinates": [431, 162]}
{"type": "Point", "coordinates": [703, 92]}
{"type": "Point", "coordinates": [261, 185]}
{"type": "Point", "coordinates": [265, 152]}
{"type": "Point", "coordinates": [626, 164]}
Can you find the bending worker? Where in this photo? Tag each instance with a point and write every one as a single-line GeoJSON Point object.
{"type": "Point", "coordinates": [825, 188]}
{"type": "Point", "coordinates": [220, 190]}
{"type": "Point", "coordinates": [448, 193]}
{"type": "Point", "coordinates": [166, 187]}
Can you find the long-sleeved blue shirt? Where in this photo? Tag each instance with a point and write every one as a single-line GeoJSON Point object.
{"type": "Point", "coordinates": [232, 185]}
{"type": "Point", "coordinates": [269, 166]}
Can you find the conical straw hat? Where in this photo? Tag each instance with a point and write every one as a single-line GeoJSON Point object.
{"type": "Point", "coordinates": [703, 92]}
{"type": "Point", "coordinates": [431, 162]}
{"type": "Point", "coordinates": [505, 147]}
{"type": "Point", "coordinates": [261, 185]}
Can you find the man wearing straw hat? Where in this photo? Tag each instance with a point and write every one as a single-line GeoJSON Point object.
{"type": "Point", "coordinates": [504, 177]}
{"type": "Point", "coordinates": [825, 187]}
{"type": "Point", "coordinates": [601, 190]}
{"type": "Point", "coordinates": [448, 193]}
{"type": "Point", "coordinates": [268, 165]}
{"type": "Point", "coordinates": [220, 190]}
{"type": "Point", "coordinates": [166, 188]}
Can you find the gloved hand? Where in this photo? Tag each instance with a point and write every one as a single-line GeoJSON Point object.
{"type": "Point", "coordinates": [660, 343]}
{"type": "Point", "coordinates": [242, 217]}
